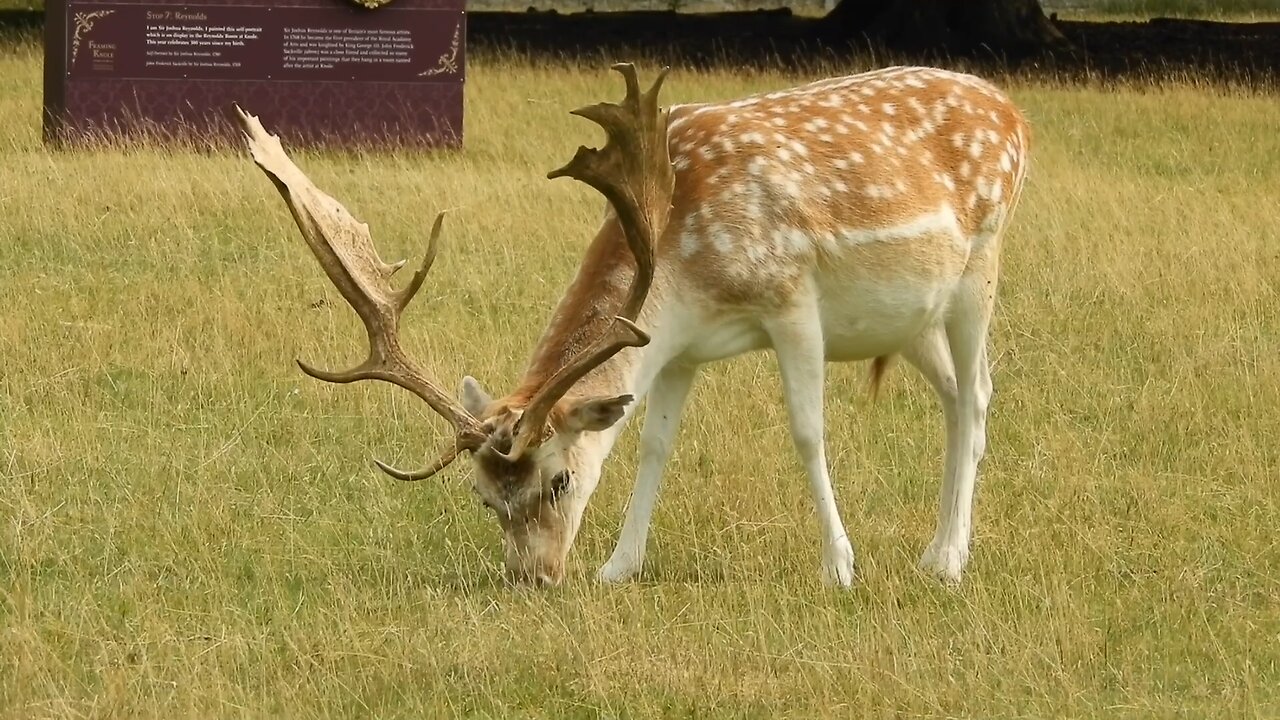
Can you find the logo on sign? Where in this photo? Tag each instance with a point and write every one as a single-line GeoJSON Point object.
{"type": "Point", "coordinates": [103, 52]}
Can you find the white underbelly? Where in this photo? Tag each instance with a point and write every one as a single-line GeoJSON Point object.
{"type": "Point", "coordinates": [870, 319]}
{"type": "Point", "coordinates": [858, 322]}
{"type": "Point", "coordinates": [725, 340]}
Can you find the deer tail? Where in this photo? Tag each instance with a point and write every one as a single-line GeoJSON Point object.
{"type": "Point", "coordinates": [879, 368]}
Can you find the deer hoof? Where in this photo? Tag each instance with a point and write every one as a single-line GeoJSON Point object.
{"type": "Point", "coordinates": [837, 564]}
{"type": "Point", "coordinates": [945, 562]}
{"type": "Point", "coordinates": [619, 569]}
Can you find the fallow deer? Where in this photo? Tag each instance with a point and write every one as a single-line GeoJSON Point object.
{"type": "Point", "coordinates": [853, 218]}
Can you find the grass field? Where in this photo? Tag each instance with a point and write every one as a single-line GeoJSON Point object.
{"type": "Point", "coordinates": [189, 527]}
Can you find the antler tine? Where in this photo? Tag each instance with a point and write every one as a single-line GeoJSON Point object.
{"type": "Point", "coordinates": [413, 475]}
{"type": "Point", "coordinates": [633, 171]}
{"type": "Point", "coordinates": [344, 248]}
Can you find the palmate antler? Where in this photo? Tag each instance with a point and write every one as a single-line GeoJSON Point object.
{"type": "Point", "coordinates": [345, 250]}
{"type": "Point", "coordinates": [633, 171]}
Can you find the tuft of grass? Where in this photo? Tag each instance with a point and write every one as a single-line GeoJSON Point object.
{"type": "Point", "coordinates": [190, 527]}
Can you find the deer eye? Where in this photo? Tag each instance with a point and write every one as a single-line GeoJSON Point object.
{"type": "Point", "coordinates": [559, 484]}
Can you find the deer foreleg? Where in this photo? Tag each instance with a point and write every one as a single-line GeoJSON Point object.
{"type": "Point", "coordinates": [661, 421]}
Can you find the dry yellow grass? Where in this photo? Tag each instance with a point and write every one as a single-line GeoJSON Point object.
{"type": "Point", "coordinates": [191, 528]}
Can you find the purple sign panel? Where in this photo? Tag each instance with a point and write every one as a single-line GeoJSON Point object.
{"type": "Point", "coordinates": [315, 71]}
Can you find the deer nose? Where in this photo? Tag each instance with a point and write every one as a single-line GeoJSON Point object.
{"type": "Point", "coordinates": [538, 579]}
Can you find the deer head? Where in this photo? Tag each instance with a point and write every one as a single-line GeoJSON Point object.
{"type": "Point", "coordinates": [523, 451]}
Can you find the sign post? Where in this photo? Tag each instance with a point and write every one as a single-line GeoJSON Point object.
{"type": "Point", "coordinates": [332, 72]}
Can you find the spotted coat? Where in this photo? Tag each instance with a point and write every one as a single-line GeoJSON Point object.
{"type": "Point", "coordinates": [769, 185]}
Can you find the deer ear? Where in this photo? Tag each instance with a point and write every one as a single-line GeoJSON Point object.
{"type": "Point", "coordinates": [473, 396]}
{"type": "Point", "coordinates": [594, 414]}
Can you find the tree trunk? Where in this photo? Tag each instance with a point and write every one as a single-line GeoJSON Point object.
{"type": "Point", "coordinates": [969, 27]}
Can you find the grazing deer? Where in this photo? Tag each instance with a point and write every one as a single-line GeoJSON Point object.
{"type": "Point", "coordinates": [848, 219]}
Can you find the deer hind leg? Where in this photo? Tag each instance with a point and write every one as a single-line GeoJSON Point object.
{"type": "Point", "coordinates": [983, 401]}
{"type": "Point", "coordinates": [931, 355]}
{"type": "Point", "coordinates": [965, 393]}
{"type": "Point", "coordinates": [798, 344]}
{"type": "Point", "coordinates": [661, 420]}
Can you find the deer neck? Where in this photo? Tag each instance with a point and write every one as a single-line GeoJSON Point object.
{"type": "Point", "coordinates": [584, 313]}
